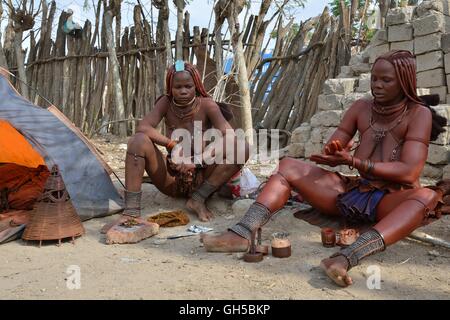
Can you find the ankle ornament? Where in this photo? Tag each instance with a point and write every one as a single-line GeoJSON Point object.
{"type": "Point", "coordinates": [203, 192]}
{"type": "Point", "coordinates": [369, 243]}
{"type": "Point", "coordinates": [256, 216]}
{"type": "Point", "coordinates": [132, 203]}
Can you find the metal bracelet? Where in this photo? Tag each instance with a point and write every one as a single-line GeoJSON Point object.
{"type": "Point", "coordinates": [370, 167]}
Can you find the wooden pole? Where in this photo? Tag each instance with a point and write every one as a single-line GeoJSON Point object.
{"type": "Point", "coordinates": [115, 73]}
{"type": "Point", "coordinates": [3, 62]}
{"type": "Point", "coordinates": [242, 76]}
{"type": "Point", "coordinates": [179, 35]}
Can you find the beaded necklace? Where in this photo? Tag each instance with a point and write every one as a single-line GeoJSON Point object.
{"type": "Point", "coordinates": [379, 133]}
{"type": "Point", "coordinates": [185, 113]}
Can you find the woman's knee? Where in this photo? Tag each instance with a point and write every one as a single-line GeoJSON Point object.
{"type": "Point", "coordinates": [428, 197]}
{"type": "Point", "coordinates": [289, 166]}
{"type": "Point", "coordinates": [138, 141]}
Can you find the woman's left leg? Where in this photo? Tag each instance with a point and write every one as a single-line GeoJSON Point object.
{"type": "Point", "coordinates": [398, 214]}
{"type": "Point", "coordinates": [218, 174]}
{"type": "Point", "coordinates": [214, 177]}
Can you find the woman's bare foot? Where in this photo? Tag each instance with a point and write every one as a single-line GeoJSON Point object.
{"type": "Point", "coordinates": [200, 209]}
{"type": "Point", "coordinates": [225, 242]}
{"type": "Point", "coordinates": [336, 269]}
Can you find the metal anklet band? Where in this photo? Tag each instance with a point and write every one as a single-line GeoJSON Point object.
{"type": "Point", "coordinates": [203, 192]}
{"type": "Point", "coordinates": [132, 203]}
{"type": "Point", "coordinates": [256, 216]}
{"type": "Point", "coordinates": [368, 243]}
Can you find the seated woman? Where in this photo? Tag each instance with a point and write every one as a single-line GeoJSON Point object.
{"type": "Point", "coordinates": [185, 102]}
{"type": "Point", "coordinates": [395, 129]}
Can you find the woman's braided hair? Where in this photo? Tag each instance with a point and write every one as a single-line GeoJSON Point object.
{"type": "Point", "coordinates": [199, 87]}
{"type": "Point", "coordinates": [405, 69]}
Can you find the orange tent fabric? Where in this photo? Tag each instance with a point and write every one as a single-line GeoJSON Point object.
{"type": "Point", "coordinates": [14, 148]}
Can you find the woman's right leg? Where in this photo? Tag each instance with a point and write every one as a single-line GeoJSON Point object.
{"type": "Point", "coordinates": [317, 186]}
{"type": "Point", "coordinates": [142, 154]}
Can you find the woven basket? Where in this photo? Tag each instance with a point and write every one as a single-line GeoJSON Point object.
{"type": "Point", "coordinates": [54, 216]}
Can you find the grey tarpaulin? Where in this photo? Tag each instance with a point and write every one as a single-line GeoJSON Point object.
{"type": "Point", "coordinates": [88, 183]}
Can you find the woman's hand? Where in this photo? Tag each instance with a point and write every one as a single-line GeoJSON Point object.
{"type": "Point", "coordinates": [185, 168]}
{"type": "Point", "coordinates": [332, 160]}
{"type": "Point", "coordinates": [335, 155]}
{"type": "Point", "coordinates": [336, 145]}
{"type": "Point", "coordinates": [332, 147]}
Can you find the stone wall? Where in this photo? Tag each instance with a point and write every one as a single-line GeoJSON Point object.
{"type": "Point", "coordinates": [423, 30]}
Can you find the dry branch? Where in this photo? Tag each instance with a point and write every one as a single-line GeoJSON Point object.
{"type": "Point", "coordinates": [290, 57]}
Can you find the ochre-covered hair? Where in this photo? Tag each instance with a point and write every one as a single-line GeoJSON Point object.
{"type": "Point", "coordinates": [405, 68]}
{"type": "Point", "coordinates": [199, 87]}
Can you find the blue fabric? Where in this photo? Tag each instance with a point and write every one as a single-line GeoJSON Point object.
{"type": "Point", "coordinates": [358, 206]}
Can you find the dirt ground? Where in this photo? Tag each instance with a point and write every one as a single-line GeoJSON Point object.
{"type": "Point", "coordinates": [158, 268]}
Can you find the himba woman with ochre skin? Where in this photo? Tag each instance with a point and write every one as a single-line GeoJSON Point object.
{"type": "Point", "coordinates": [395, 128]}
{"type": "Point", "coordinates": [186, 101]}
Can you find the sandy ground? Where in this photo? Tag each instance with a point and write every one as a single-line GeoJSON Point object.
{"type": "Point", "coordinates": [157, 268]}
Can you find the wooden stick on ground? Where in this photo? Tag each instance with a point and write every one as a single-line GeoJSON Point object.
{"type": "Point", "coordinates": [422, 236]}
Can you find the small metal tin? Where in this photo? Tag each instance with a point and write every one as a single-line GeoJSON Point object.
{"type": "Point", "coordinates": [346, 237]}
{"type": "Point", "coordinates": [281, 246]}
{"type": "Point", "coordinates": [253, 257]}
{"type": "Point", "coordinates": [284, 252]}
{"type": "Point", "coordinates": [328, 237]}
{"type": "Point", "coordinates": [255, 253]}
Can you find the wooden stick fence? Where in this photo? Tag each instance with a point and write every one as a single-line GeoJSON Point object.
{"type": "Point", "coordinates": [74, 73]}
